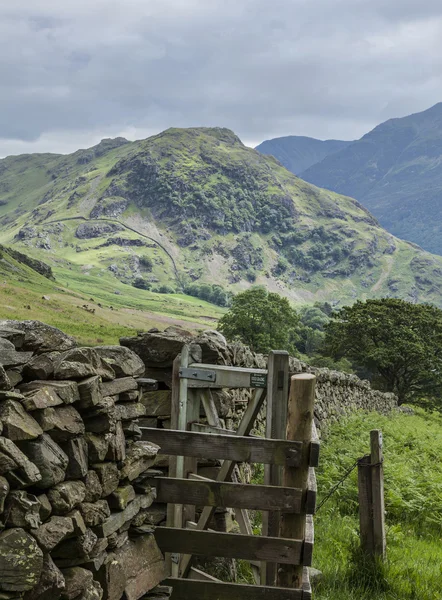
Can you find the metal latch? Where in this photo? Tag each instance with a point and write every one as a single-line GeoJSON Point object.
{"type": "Point", "coordinates": [199, 374]}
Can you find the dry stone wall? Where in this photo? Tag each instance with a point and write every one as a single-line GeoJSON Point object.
{"type": "Point", "coordinates": [72, 514]}
{"type": "Point", "coordinates": [337, 393]}
{"type": "Point", "coordinates": [76, 508]}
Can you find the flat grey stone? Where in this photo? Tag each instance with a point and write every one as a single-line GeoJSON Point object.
{"type": "Point", "coordinates": [50, 459]}
{"type": "Point", "coordinates": [21, 561]}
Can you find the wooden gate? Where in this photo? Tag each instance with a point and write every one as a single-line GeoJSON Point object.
{"type": "Point", "coordinates": [279, 561]}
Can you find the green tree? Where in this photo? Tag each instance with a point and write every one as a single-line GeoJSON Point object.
{"type": "Point", "coordinates": [396, 343]}
{"type": "Point", "coordinates": [262, 320]}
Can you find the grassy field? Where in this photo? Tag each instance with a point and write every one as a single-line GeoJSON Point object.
{"type": "Point", "coordinates": [119, 309]}
{"type": "Point", "coordinates": [413, 488]}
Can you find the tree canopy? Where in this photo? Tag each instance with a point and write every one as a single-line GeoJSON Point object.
{"type": "Point", "coordinates": [398, 345]}
{"type": "Point", "coordinates": [263, 320]}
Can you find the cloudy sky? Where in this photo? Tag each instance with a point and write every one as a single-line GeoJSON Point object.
{"type": "Point", "coordinates": [74, 71]}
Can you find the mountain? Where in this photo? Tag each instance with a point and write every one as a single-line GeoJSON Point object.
{"type": "Point", "coordinates": [395, 171]}
{"type": "Point", "coordinates": [194, 210]}
{"type": "Point", "coordinates": [297, 153]}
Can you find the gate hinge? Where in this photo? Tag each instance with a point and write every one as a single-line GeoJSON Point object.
{"type": "Point", "coordinates": [198, 374]}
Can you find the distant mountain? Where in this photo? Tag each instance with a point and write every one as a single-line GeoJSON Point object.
{"type": "Point", "coordinates": [395, 171]}
{"type": "Point", "coordinates": [297, 153]}
{"type": "Point", "coordinates": [195, 210]}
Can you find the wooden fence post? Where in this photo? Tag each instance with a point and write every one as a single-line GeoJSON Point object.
{"type": "Point", "coordinates": [377, 489]}
{"type": "Point", "coordinates": [371, 499]}
{"type": "Point", "coordinates": [365, 505]}
{"type": "Point", "coordinates": [299, 428]}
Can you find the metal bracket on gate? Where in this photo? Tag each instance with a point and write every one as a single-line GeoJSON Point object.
{"type": "Point", "coordinates": [198, 374]}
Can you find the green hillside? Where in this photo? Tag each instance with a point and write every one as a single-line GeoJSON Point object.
{"type": "Point", "coordinates": [396, 172]}
{"type": "Point", "coordinates": [190, 208]}
{"type": "Point", "coordinates": [93, 311]}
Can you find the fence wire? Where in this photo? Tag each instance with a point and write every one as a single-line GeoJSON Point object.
{"type": "Point", "coordinates": [344, 477]}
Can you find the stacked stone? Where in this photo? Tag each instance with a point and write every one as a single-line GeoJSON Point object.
{"type": "Point", "coordinates": [337, 393]}
{"type": "Point", "coordinates": [73, 507]}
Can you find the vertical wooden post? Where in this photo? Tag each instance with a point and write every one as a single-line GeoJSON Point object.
{"type": "Point", "coordinates": [191, 464]}
{"type": "Point", "coordinates": [276, 428]}
{"type": "Point", "coordinates": [377, 488]}
{"type": "Point", "coordinates": [365, 505]}
{"type": "Point", "coordinates": [172, 566]}
{"type": "Point", "coordinates": [178, 420]}
{"type": "Point", "coordinates": [299, 428]}
{"type": "Point", "coordinates": [371, 499]}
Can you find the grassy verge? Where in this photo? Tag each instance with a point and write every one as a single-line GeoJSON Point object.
{"type": "Point", "coordinates": [413, 484]}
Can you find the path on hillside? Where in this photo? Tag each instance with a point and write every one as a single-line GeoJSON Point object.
{"type": "Point", "coordinates": [384, 275]}
{"type": "Point", "coordinates": [81, 218]}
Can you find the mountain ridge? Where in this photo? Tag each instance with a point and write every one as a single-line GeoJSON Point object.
{"type": "Point", "coordinates": [228, 217]}
{"type": "Point", "coordinates": [298, 153]}
{"type": "Point", "coordinates": [395, 170]}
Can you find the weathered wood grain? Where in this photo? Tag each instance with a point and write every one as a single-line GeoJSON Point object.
{"type": "Point", "coordinates": [311, 493]}
{"type": "Point", "coordinates": [229, 545]}
{"type": "Point", "coordinates": [365, 505]}
{"type": "Point", "coordinates": [226, 377]}
{"type": "Point", "coordinates": [233, 448]}
{"type": "Point", "coordinates": [299, 427]}
{"type": "Point", "coordinates": [315, 446]}
{"type": "Point", "coordinates": [209, 590]}
{"type": "Point", "coordinates": [276, 426]}
{"type": "Point", "coordinates": [226, 495]}
{"type": "Point", "coordinates": [309, 540]}
{"type": "Point", "coordinates": [377, 492]}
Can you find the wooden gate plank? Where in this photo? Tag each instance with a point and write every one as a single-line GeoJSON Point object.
{"type": "Point", "coordinates": [229, 377]}
{"type": "Point", "coordinates": [229, 545]}
{"type": "Point", "coordinates": [226, 495]}
{"type": "Point", "coordinates": [228, 447]}
{"type": "Point", "coordinates": [205, 428]}
{"type": "Point", "coordinates": [186, 589]}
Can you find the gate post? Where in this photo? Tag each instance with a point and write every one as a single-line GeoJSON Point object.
{"type": "Point", "coordinates": [276, 429]}
{"type": "Point", "coordinates": [299, 428]}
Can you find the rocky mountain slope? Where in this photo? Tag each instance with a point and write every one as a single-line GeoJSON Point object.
{"type": "Point", "coordinates": [188, 209]}
{"type": "Point", "coordinates": [396, 172]}
{"type": "Point", "coordinates": [297, 153]}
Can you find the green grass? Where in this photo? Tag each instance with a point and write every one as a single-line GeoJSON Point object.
{"type": "Point", "coordinates": [116, 314]}
{"type": "Point", "coordinates": [413, 496]}
{"type": "Point", "coordinates": [413, 500]}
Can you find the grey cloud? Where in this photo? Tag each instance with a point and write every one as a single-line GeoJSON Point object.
{"type": "Point", "coordinates": [327, 68]}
